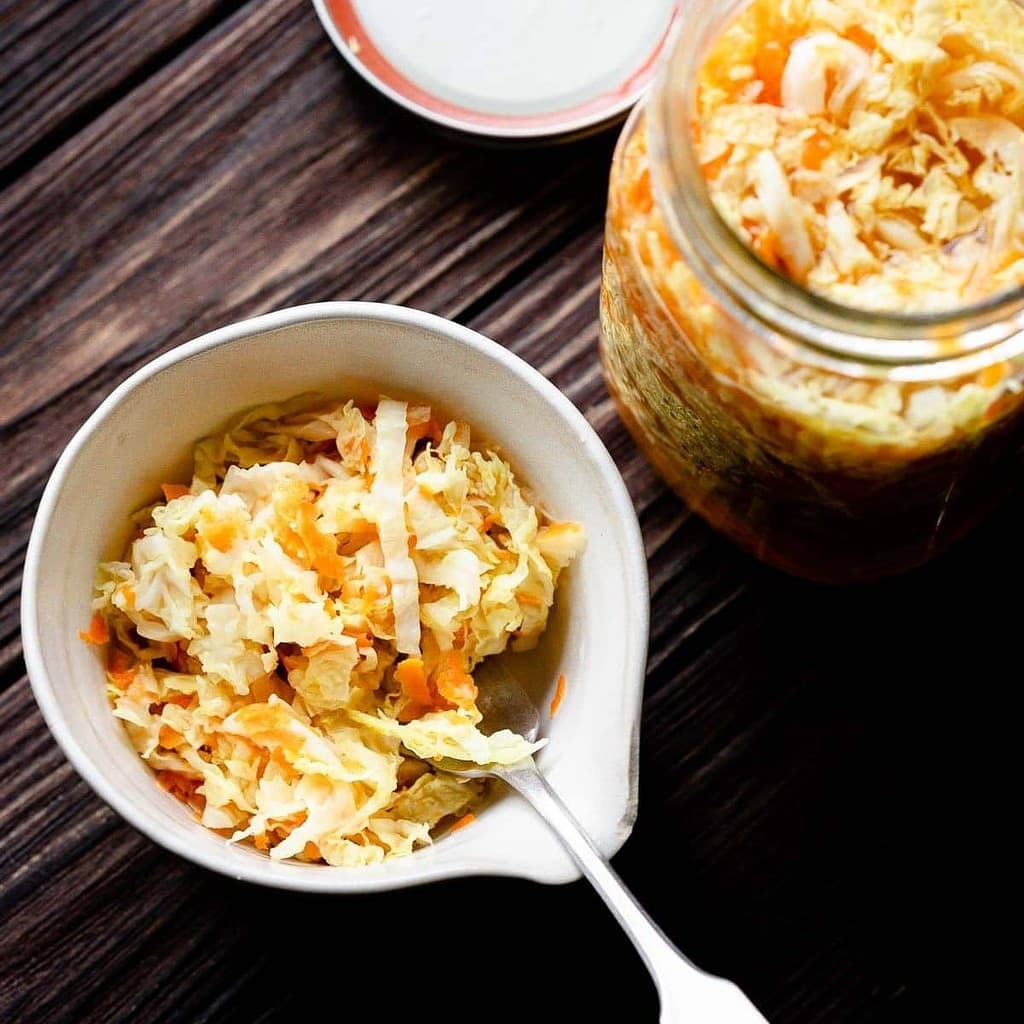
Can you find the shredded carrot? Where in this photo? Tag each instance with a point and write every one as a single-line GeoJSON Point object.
{"type": "Point", "coordinates": [713, 168]}
{"type": "Point", "coordinates": [261, 842]}
{"type": "Point", "coordinates": [530, 599]}
{"type": "Point", "coordinates": [172, 491]}
{"type": "Point", "coordinates": [278, 757]}
{"type": "Point", "coordinates": [321, 548]}
{"type": "Point", "coordinates": [766, 245]}
{"type": "Point", "coordinates": [769, 65]}
{"type": "Point", "coordinates": [220, 534]}
{"type": "Point", "coordinates": [638, 193]}
{"type": "Point", "coordinates": [311, 851]}
{"type": "Point", "coordinates": [993, 374]}
{"type": "Point", "coordinates": [862, 37]}
{"type": "Point", "coordinates": [1008, 260]}
{"type": "Point", "coordinates": [453, 682]}
{"type": "Point", "coordinates": [772, 23]}
{"type": "Point", "coordinates": [121, 667]}
{"type": "Point", "coordinates": [556, 701]}
{"type": "Point", "coordinates": [816, 148]}
{"type": "Point", "coordinates": [296, 819]}
{"type": "Point", "coordinates": [298, 534]}
{"type": "Point", "coordinates": [98, 632]}
{"type": "Point", "coordinates": [122, 680]}
{"type": "Point", "coordinates": [170, 738]}
{"type": "Point", "coordinates": [412, 678]}
{"type": "Point", "coordinates": [466, 819]}
{"type": "Point", "coordinates": [287, 501]}
{"type": "Point", "coordinates": [351, 541]}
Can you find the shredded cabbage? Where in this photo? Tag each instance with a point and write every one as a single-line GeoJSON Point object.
{"type": "Point", "coordinates": [293, 636]}
{"type": "Point", "coordinates": [388, 497]}
{"type": "Point", "coordinates": [873, 150]}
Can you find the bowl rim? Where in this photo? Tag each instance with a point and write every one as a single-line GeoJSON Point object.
{"type": "Point", "coordinates": [342, 881]}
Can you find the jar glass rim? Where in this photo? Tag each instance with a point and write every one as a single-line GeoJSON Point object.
{"type": "Point", "coordinates": [884, 336]}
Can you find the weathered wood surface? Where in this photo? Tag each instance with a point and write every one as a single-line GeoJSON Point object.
{"type": "Point", "coordinates": [62, 63]}
{"type": "Point", "coordinates": [822, 786]}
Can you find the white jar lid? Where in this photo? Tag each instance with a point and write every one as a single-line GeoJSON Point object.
{"type": "Point", "coordinates": [510, 69]}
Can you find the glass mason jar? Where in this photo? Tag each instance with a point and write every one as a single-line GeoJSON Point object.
{"type": "Point", "coordinates": [836, 444]}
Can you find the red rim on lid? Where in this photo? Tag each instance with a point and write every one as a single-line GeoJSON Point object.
{"type": "Point", "coordinates": [508, 69]}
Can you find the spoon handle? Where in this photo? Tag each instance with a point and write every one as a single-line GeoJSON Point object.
{"type": "Point", "coordinates": [686, 993]}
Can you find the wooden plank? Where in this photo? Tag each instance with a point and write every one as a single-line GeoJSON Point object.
{"type": "Point", "coordinates": [62, 63]}
{"type": "Point", "coordinates": [205, 197]}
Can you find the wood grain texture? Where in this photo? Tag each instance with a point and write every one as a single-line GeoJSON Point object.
{"type": "Point", "coordinates": [205, 197]}
{"type": "Point", "coordinates": [825, 773]}
{"type": "Point", "coordinates": [219, 196]}
{"type": "Point", "coordinates": [61, 63]}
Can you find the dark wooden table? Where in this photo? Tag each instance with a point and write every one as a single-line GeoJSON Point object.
{"type": "Point", "coordinates": [824, 773]}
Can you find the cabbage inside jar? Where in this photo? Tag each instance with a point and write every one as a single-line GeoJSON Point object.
{"type": "Point", "coordinates": [812, 301]}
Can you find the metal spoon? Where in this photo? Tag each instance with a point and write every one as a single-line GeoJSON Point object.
{"type": "Point", "coordinates": [686, 993]}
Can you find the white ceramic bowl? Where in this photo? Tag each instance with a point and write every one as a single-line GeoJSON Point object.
{"type": "Point", "coordinates": [143, 434]}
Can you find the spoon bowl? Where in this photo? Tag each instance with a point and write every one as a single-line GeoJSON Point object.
{"type": "Point", "coordinates": [503, 703]}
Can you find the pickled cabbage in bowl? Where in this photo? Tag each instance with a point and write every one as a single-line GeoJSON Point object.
{"type": "Point", "coordinates": [291, 636]}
